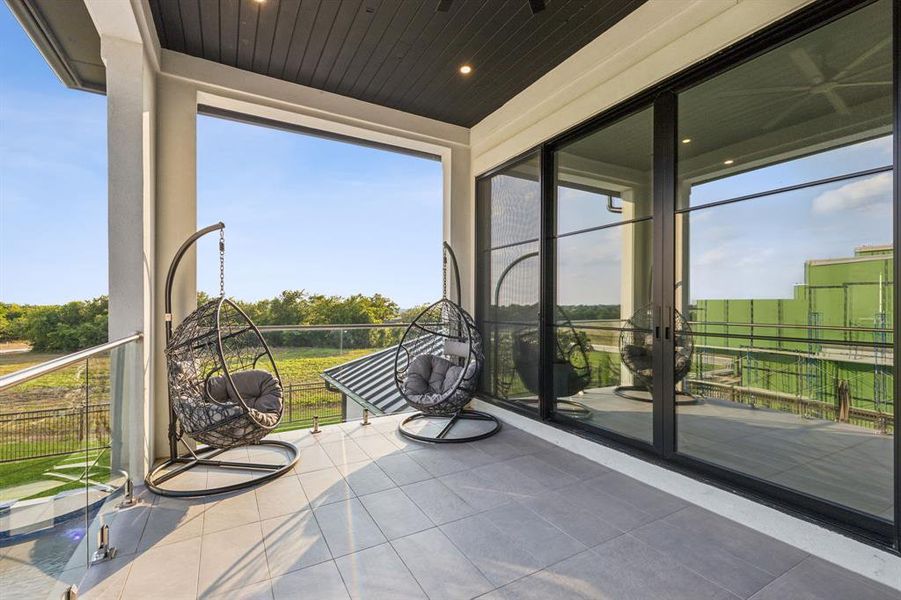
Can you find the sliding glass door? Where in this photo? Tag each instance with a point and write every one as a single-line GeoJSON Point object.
{"type": "Point", "coordinates": [603, 335]}
{"type": "Point", "coordinates": [509, 287]}
{"type": "Point", "coordinates": [707, 271]}
{"type": "Point", "coordinates": [784, 266]}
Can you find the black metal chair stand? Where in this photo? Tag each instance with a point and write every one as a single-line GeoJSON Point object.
{"type": "Point", "coordinates": [445, 434]}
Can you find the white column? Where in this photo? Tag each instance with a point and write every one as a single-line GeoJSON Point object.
{"type": "Point", "coordinates": [176, 219]}
{"type": "Point", "coordinates": [130, 146]}
{"type": "Point", "coordinates": [459, 218]}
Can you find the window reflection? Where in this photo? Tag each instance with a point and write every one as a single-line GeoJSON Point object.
{"type": "Point", "coordinates": [604, 248]}
{"type": "Point", "coordinates": [788, 293]}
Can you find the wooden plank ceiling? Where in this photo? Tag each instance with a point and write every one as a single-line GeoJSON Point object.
{"type": "Point", "coordinates": [404, 54]}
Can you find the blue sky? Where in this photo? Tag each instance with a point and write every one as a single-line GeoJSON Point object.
{"type": "Point", "coordinates": [52, 179]}
{"type": "Point", "coordinates": [301, 212]}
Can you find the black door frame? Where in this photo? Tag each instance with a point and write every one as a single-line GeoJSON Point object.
{"type": "Point", "coordinates": [663, 98]}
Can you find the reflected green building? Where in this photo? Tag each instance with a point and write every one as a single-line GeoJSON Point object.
{"type": "Point", "coordinates": [832, 338]}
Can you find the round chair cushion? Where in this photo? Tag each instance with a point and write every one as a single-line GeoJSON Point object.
{"type": "Point", "coordinates": [260, 390]}
{"type": "Point", "coordinates": [429, 374]}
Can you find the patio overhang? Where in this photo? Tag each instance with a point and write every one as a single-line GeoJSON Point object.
{"type": "Point", "coordinates": [393, 81]}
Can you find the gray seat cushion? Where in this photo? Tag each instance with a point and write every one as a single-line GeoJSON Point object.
{"type": "Point", "coordinates": [259, 389]}
{"type": "Point", "coordinates": [430, 374]}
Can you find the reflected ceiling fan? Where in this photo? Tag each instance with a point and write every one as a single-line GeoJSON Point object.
{"type": "Point", "coordinates": [820, 84]}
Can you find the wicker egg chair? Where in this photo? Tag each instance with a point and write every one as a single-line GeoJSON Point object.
{"type": "Point", "coordinates": [437, 367]}
{"type": "Point", "coordinates": [224, 391]}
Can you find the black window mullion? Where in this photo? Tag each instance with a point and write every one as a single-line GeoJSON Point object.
{"type": "Point", "coordinates": [663, 275]}
{"type": "Point", "coordinates": [548, 279]}
{"type": "Point", "coordinates": [896, 235]}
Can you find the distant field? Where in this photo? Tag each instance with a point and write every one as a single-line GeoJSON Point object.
{"type": "Point", "coordinates": [66, 389]}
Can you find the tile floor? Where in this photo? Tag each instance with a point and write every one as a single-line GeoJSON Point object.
{"type": "Point", "coordinates": [368, 514]}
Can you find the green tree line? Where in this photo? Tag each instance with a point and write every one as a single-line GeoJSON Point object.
{"type": "Point", "coordinates": [83, 323]}
{"type": "Point", "coordinates": [55, 328]}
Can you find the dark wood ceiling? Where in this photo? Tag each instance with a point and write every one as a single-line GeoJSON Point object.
{"type": "Point", "coordinates": [404, 54]}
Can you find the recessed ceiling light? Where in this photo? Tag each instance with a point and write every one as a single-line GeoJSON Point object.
{"type": "Point", "coordinates": [466, 69]}
{"type": "Point", "coordinates": [686, 141]}
{"type": "Point", "coordinates": [260, 1]}
{"type": "Point", "coordinates": [728, 161]}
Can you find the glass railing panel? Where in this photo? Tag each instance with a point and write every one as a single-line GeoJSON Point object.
{"type": "Point", "coordinates": [42, 497]}
{"type": "Point", "coordinates": [58, 480]}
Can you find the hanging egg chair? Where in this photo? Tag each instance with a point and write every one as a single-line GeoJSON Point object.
{"type": "Point", "coordinates": [224, 391]}
{"type": "Point", "coordinates": [636, 344]}
{"type": "Point", "coordinates": [437, 367]}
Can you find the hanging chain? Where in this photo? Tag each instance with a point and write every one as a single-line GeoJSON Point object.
{"type": "Point", "coordinates": [443, 272]}
{"type": "Point", "coordinates": [222, 263]}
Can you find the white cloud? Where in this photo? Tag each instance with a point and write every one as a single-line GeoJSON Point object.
{"type": "Point", "coordinates": [872, 194]}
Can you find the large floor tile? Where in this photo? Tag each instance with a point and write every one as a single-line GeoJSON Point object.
{"type": "Point", "coordinates": [347, 527]}
{"type": "Point", "coordinates": [312, 458]}
{"type": "Point", "coordinates": [760, 550]}
{"type": "Point", "coordinates": [402, 469]}
{"type": "Point", "coordinates": [283, 496]}
{"type": "Point", "coordinates": [437, 501]}
{"type": "Point", "coordinates": [500, 558]}
{"type": "Point", "coordinates": [543, 585]}
{"type": "Point", "coordinates": [697, 553]}
{"type": "Point", "coordinates": [344, 451]}
{"type": "Point", "coordinates": [439, 567]}
{"type": "Point", "coordinates": [446, 459]}
{"type": "Point", "coordinates": [231, 511]}
{"type": "Point", "coordinates": [478, 492]}
{"type": "Point", "coordinates": [231, 559]}
{"type": "Point", "coordinates": [169, 572]}
{"type": "Point", "coordinates": [609, 509]}
{"type": "Point", "coordinates": [171, 522]}
{"type": "Point", "coordinates": [293, 542]}
{"type": "Point", "coordinates": [548, 475]}
{"type": "Point", "coordinates": [365, 477]}
{"type": "Point", "coordinates": [627, 568]}
{"type": "Point", "coordinates": [378, 573]}
{"type": "Point", "coordinates": [104, 581]}
{"type": "Point", "coordinates": [325, 486]}
{"type": "Point", "coordinates": [505, 478]}
{"type": "Point", "coordinates": [395, 514]}
{"type": "Point", "coordinates": [546, 542]}
{"type": "Point", "coordinates": [815, 579]}
{"type": "Point", "coordinates": [582, 524]}
{"type": "Point", "coordinates": [322, 582]}
{"type": "Point", "coordinates": [261, 590]}
{"type": "Point", "coordinates": [638, 495]}
{"type": "Point", "coordinates": [377, 446]}
{"type": "Point", "coordinates": [577, 466]}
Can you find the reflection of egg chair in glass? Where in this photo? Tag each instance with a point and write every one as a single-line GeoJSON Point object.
{"type": "Point", "coordinates": [571, 367]}
{"type": "Point", "coordinates": [436, 370]}
{"type": "Point", "coordinates": [636, 348]}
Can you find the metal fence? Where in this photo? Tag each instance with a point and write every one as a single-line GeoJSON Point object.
{"type": "Point", "coordinates": [303, 401]}
{"type": "Point", "coordinates": [58, 431]}
{"type": "Point", "coordinates": [53, 432]}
